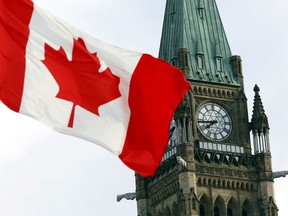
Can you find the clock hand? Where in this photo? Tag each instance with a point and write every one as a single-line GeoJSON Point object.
{"type": "Point", "coordinates": [202, 121]}
{"type": "Point", "coordinates": [211, 123]}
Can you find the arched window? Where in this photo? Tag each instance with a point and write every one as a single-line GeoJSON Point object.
{"type": "Point", "coordinates": [232, 207]}
{"type": "Point", "coordinates": [229, 212]}
{"type": "Point", "coordinates": [205, 206]}
{"type": "Point", "coordinates": [167, 211]}
{"type": "Point", "coordinates": [202, 210]}
{"type": "Point", "coordinates": [216, 211]}
{"type": "Point", "coordinates": [200, 61]}
{"type": "Point", "coordinates": [175, 209]}
{"type": "Point", "coordinates": [219, 64]}
{"type": "Point", "coordinates": [244, 212]}
{"type": "Point", "coordinates": [247, 208]}
{"type": "Point", "coordinates": [219, 207]}
{"type": "Point", "coordinates": [201, 13]}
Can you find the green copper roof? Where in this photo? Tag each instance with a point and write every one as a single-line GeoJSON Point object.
{"type": "Point", "coordinates": [193, 39]}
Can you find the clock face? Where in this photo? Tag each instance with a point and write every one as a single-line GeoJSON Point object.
{"type": "Point", "coordinates": [214, 122]}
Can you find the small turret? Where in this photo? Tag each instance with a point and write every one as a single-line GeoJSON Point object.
{"type": "Point", "coordinates": [259, 125]}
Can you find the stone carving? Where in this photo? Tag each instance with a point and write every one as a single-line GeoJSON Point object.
{"type": "Point", "coordinates": [225, 172]}
{"type": "Point", "coordinates": [128, 196]}
{"type": "Point", "coordinates": [224, 183]}
{"type": "Point", "coordinates": [164, 193]}
{"type": "Point", "coordinates": [182, 201]}
{"type": "Point", "coordinates": [279, 174]}
{"type": "Point", "coordinates": [195, 199]}
{"type": "Point", "coordinates": [213, 92]}
{"type": "Point", "coordinates": [181, 161]}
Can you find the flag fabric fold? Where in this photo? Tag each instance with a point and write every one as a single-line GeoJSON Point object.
{"type": "Point", "coordinates": [81, 86]}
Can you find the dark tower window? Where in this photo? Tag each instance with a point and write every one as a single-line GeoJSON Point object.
{"type": "Point", "coordinates": [229, 212]}
{"type": "Point", "coordinates": [201, 13]}
{"type": "Point", "coordinates": [216, 211]}
{"type": "Point", "coordinates": [244, 212]}
{"type": "Point", "coordinates": [202, 210]}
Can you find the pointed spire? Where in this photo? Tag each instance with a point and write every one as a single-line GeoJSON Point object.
{"type": "Point", "coordinates": [259, 125]}
{"type": "Point", "coordinates": [196, 26]}
{"type": "Point", "coordinates": [259, 119]}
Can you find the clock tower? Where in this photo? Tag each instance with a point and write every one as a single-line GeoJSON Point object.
{"type": "Point", "coordinates": [211, 166]}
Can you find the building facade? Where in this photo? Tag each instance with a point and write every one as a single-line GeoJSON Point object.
{"type": "Point", "coordinates": [211, 166]}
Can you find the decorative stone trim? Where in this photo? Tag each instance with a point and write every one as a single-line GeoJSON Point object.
{"type": "Point", "coordinates": [226, 172]}
{"type": "Point", "coordinates": [165, 193]}
{"type": "Point", "coordinates": [214, 92]}
{"type": "Point", "coordinates": [226, 184]}
{"type": "Point", "coordinates": [228, 158]}
{"type": "Point", "coordinates": [162, 183]}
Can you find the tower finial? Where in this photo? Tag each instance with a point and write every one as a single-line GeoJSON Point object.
{"type": "Point", "coordinates": [259, 119]}
{"type": "Point", "coordinates": [259, 124]}
{"type": "Point", "coordinates": [256, 88]}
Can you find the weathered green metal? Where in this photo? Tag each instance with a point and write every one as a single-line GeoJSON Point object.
{"type": "Point", "coordinates": [193, 39]}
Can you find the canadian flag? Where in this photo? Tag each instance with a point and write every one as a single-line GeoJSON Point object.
{"type": "Point", "coordinates": [81, 86]}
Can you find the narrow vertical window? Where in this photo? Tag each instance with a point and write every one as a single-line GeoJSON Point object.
{"type": "Point", "coordinates": [200, 61]}
{"type": "Point", "coordinates": [202, 210]}
{"type": "Point", "coordinates": [244, 212]}
{"type": "Point", "coordinates": [183, 58]}
{"type": "Point", "coordinates": [219, 64]}
{"type": "Point", "coordinates": [229, 212]}
{"type": "Point", "coordinates": [186, 60]}
{"type": "Point", "coordinates": [201, 13]}
{"type": "Point", "coordinates": [216, 211]}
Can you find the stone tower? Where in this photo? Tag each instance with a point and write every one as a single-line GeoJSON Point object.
{"type": "Point", "coordinates": [211, 167]}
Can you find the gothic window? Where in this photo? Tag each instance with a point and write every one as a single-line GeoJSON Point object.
{"type": "Point", "coordinates": [247, 209]}
{"type": "Point", "coordinates": [202, 210]}
{"type": "Point", "coordinates": [205, 206]}
{"type": "Point", "coordinates": [201, 13]}
{"type": "Point", "coordinates": [219, 207]}
{"type": "Point", "coordinates": [216, 211]}
{"type": "Point", "coordinates": [219, 64]}
{"type": "Point", "coordinates": [244, 212]}
{"type": "Point", "coordinates": [167, 212]}
{"type": "Point", "coordinates": [229, 212]}
{"type": "Point", "coordinates": [183, 58]}
{"type": "Point", "coordinates": [175, 209]}
{"type": "Point", "coordinates": [200, 61]}
{"type": "Point", "coordinates": [232, 207]}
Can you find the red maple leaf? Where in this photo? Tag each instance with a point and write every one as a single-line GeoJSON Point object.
{"type": "Point", "coordinates": [79, 80]}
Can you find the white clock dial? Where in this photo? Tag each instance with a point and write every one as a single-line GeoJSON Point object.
{"type": "Point", "coordinates": [214, 122]}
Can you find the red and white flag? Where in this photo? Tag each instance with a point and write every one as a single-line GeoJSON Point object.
{"type": "Point", "coordinates": [78, 85]}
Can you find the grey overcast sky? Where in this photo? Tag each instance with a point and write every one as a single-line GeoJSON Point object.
{"type": "Point", "coordinates": [45, 173]}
